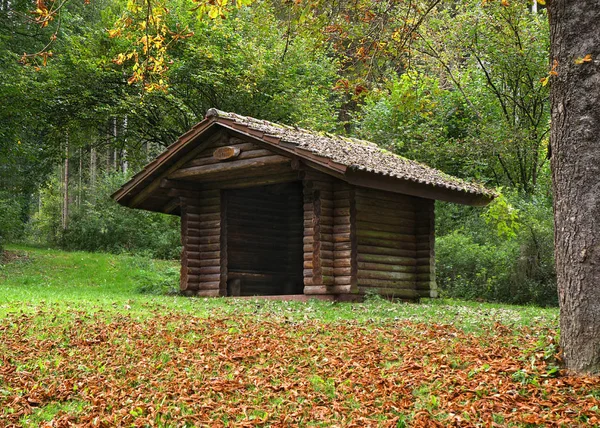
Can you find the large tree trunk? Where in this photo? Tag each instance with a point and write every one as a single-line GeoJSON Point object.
{"type": "Point", "coordinates": [575, 143]}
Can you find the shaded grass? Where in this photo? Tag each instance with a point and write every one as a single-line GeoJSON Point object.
{"type": "Point", "coordinates": [111, 283]}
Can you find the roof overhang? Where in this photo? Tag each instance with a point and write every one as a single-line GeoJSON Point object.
{"type": "Point", "coordinates": [147, 183]}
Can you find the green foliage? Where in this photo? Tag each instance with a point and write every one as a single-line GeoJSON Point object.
{"type": "Point", "coordinates": [11, 223]}
{"type": "Point", "coordinates": [100, 224]}
{"type": "Point", "coordinates": [512, 263]}
{"type": "Point", "coordinates": [152, 279]}
{"type": "Point", "coordinates": [501, 214]}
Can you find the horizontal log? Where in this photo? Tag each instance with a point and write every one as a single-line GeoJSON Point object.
{"type": "Point", "coordinates": [341, 229]}
{"type": "Point", "coordinates": [342, 254]}
{"type": "Point", "coordinates": [327, 203]}
{"type": "Point", "coordinates": [205, 259]}
{"type": "Point", "coordinates": [341, 193]}
{"type": "Point", "coordinates": [382, 267]}
{"type": "Point", "coordinates": [387, 208]}
{"type": "Point", "coordinates": [423, 269]}
{"type": "Point", "coordinates": [208, 293]}
{"type": "Point", "coordinates": [196, 240]}
{"type": "Point", "coordinates": [343, 280]}
{"type": "Point", "coordinates": [342, 246]}
{"type": "Point", "coordinates": [209, 286]}
{"type": "Point", "coordinates": [326, 289]}
{"type": "Point", "coordinates": [204, 270]}
{"type": "Point", "coordinates": [391, 228]}
{"type": "Point", "coordinates": [208, 159]}
{"type": "Point", "coordinates": [209, 247]}
{"type": "Point", "coordinates": [326, 270]}
{"type": "Point", "coordinates": [209, 278]}
{"type": "Point", "coordinates": [426, 285]}
{"type": "Point", "coordinates": [207, 209]}
{"type": "Point", "coordinates": [198, 225]}
{"type": "Point", "coordinates": [227, 167]}
{"type": "Point", "coordinates": [203, 232]}
{"type": "Point", "coordinates": [342, 262]}
{"type": "Point", "coordinates": [389, 243]}
{"type": "Point", "coordinates": [201, 218]}
{"type": "Point", "coordinates": [342, 203]}
{"type": "Point", "coordinates": [342, 239]}
{"type": "Point", "coordinates": [384, 259]}
{"type": "Point", "coordinates": [342, 271]}
{"type": "Point", "coordinates": [341, 212]}
{"type": "Point", "coordinates": [398, 252]}
{"type": "Point", "coordinates": [424, 276]}
{"type": "Point", "coordinates": [307, 248]}
{"type": "Point", "coordinates": [308, 240]}
{"type": "Point", "coordinates": [326, 254]}
{"type": "Point", "coordinates": [423, 246]}
{"type": "Point", "coordinates": [389, 236]}
{"type": "Point", "coordinates": [341, 221]}
{"type": "Point", "coordinates": [392, 276]}
{"type": "Point", "coordinates": [390, 283]}
{"type": "Point", "coordinates": [381, 218]}
{"type": "Point", "coordinates": [328, 280]}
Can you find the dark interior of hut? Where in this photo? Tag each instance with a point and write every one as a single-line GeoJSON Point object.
{"type": "Point", "coordinates": [265, 240]}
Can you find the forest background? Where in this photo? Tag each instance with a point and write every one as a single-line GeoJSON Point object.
{"type": "Point", "coordinates": [91, 95]}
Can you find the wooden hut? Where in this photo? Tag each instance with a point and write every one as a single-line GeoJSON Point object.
{"type": "Point", "coordinates": [275, 210]}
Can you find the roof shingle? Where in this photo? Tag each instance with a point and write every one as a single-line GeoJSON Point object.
{"type": "Point", "coordinates": [355, 154]}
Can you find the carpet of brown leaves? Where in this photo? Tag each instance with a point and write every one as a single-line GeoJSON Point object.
{"type": "Point", "coordinates": [178, 370]}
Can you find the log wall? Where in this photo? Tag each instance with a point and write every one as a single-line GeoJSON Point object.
{"type": "Point", "coordinates": [425, 231]}
{"type": "Point", "coordinates": [386, 243]}
{"type": "Point", "coordinates": [202, 270]}
{"type": "Point", "coordinates": [339, 239]}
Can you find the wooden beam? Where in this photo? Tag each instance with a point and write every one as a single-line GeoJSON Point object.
{"type": "Point", "coordinates": [246, 164]}
{"type": "Point", "coordinates": [155, 184]}
{"type": "Point", "coordinates": [171, 206]}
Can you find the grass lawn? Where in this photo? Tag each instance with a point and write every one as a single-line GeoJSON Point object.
{"type": "Point", "coordinates": [81, 344]}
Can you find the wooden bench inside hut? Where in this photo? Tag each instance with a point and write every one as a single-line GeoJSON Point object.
{"type": "Point", "coordinates": [273, 210]}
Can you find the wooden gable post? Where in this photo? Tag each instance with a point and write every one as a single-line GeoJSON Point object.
{"type": "Point", "coordinates": [201, 236]}
{"type": "Point", "coordinates": [425, 231]}
{"type": "Point", "coordinates": [327, 236]}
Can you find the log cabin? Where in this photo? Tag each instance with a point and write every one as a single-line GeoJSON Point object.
{"type": "Point", "coordinates": [274, 210]}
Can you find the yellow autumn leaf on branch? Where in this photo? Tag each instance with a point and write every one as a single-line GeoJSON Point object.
{"type": "Point", "coordinates": [587, 58]}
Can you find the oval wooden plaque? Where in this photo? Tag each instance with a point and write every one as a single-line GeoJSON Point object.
{"type": "Point", "coordinates": [226, 153]}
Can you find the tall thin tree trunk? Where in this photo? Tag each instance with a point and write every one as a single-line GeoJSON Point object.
{"type": "Point", "coordinates": [115, 134]}
{"type": "Point", "coordinates": [575, 103]}
{"type": "Point", "coordinates": [80, 184]}
{"type": "Point", "coordinates": [65, 208]}
{"type": "Point", "coordinates": [93, 160]}
{"type": "Point", "coordinates": [125, 163]}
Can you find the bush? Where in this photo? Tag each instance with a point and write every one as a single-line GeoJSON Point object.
{"type": "Point", "coordinates": [100, 224]}
{"type": "Point", "coordinates": [484, 262]}
{"type": "Point", "coordinates": [10, 219]}
{"type": "Point", "coordinates": [152, 279]}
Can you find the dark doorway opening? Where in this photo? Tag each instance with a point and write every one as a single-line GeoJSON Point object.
{"type": "Point", "coordinates": [265, 240]}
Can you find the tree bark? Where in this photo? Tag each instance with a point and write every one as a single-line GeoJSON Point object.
{"type": "Point", "coordinates": [65, 208]}
{"type": "Point", "coordinates": [575, 136]}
